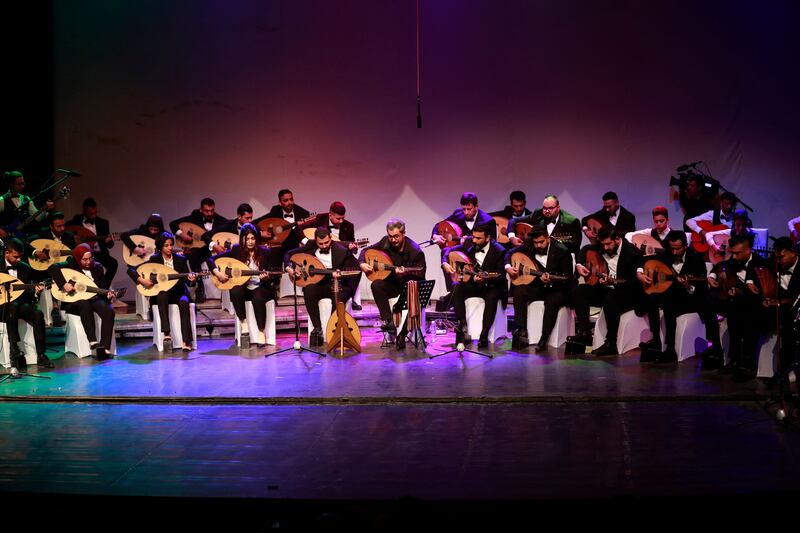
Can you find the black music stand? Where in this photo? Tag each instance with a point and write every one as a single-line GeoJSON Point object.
{"type": "Point", "coordinates": [425, 291]}
{"type": "Point", "coordinates": [297, 346]}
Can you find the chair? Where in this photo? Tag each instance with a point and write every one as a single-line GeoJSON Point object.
{"type": "Point", "coordinates": [632, 331]}
{"type": "Point", "coordinates": [565, 324]}
{"type": "Point", "coordinates": [28, 344]}
{"type": "Point", "coordinates": [475, 307]}
{"type": "Point", "coordinates": [174, 325]}
{"type": "Point", "coordinates": [690, 335]}
{"type": "Point", "coordinates": [252, 325]}
{"type": "Point", "coordinates": [76, 340]}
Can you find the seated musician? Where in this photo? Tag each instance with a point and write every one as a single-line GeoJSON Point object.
{"type": "Point", "coordinates": [788, 285]}
{"type": "Point", "coordinates": [207, 218]}
{"type": "Point", "coordinates": [550, 257]}
{"type": "Point", "coordinates": [260, 289]}
{"type": "Point", "coordinates": [178, 294]}
{"type": "Point", "coordinates": [560, 225]}
{"type": "Point", "coordinates": [487, 256]}
{"type": "Point", "coordinates": [741, 226]}
{"type": "Point", "coordinates": [99, 226]}
{"type": "Point", "coordinates": [288, 211]}
{"type": "Point", "coordinates": [332, 255]}
{"type": "Point", "coordinates": [616, 291]}
{"type": "Point", "coordinates": [83, 261]}
{"type": "Point", "coordinates": [680, 298]}
{"type": "Point", "coordinates": [153, 227]}
{"type": "Point", "coordinates": [466, 218]}
{"type": "Point", "coordinates": [403, 252]}
{"type": "Point", "coordinates": [735, 295]}
{"type": "Point", "coordinates": [721, 216]}
{"type": "Point", "coordinates": [55, 231]}
{"type": "Point", "coordinates": [612, 214]}
{"type": "Point", "coordinates": [515, 209]}
{"type": "Point", "coordinates": [658, 231]}
{"type": "Point", "coordinates": [23, 308]}
{"type": "Point", "coordinates": [244, 215]}
{"type": "Point", "coordinates": [15, 207]}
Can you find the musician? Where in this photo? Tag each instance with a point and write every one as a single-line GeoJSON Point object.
{"type": "Point", "coordinates": [560, 224]}
{"type": "Point", "coordinates": [680, 298]}
{"type": "Point", "coordinates": [788, 285]}
{"type": "Point", "coordinates": [333, 256]}
{"type": "Point", "coordinates": [550, 257]}
{"type": "Point", "coordinates": [694, 197]}
{"type": "Point", "coordinates": [741, 226]}
{"type": "Point", "coordinates": [99, 226]}
{"type": "Point", "coordinates": [83, 261]}
{"type": "Point", "coordinates": [517, 207]}
{"type": "Point", "coordinates": [55, 231]}
{"type": "Point", "coordinates": [737, 299]}
{"type": "Point", "coordinates": [244, 215]}
{"type": "Point", "coordinates": [15, 207]}
{"type": "Point", "coordinates": [207, 218]}
{"type": "Point", "coordinates": [403, 252]}
{"type": "Point", "coordinates": [178, 294]}
{"type": "Point", "coordinates": [659, 230]}
{"type": "Point", "coordinates": [612, 214]}
{"type": "Point", "coordinates": [487, 256]}
{"type": "Point", "coordinates": [341, 229]}
{"type": "Point", "coordinates": [288, 211]}
{"type": "Point", "coordinates": [616, 292]}
{"type": "Point", "coordinates": [152, 227]}
{"type": "Point", "coordinates": [721, 216]}
{"type": "Point", "coordinates": [23, 308]}
{"type": "Point", "coordinates": [259, 289]}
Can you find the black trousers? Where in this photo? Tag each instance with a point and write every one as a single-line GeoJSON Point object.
{"type": "Point", "coordinates": [15, 311]}
{"type": "Point", "coordinates": [675, 301]}
{"type": "Point", "coordinates": [312, 294]}
{"type": "Point", "coordinates": [259, 296]}
{"type": "Point", "coordinates": [109, 263]}
{"type": "Point", "coordinates": [746, 323]}
{"type": "Point", "coordinates": [490, 294]}
{"type": "Point", "coordinates": [382, 290]}
{"type": "Point", "coordinates": [554, 298]}
{"type": "Point", "coordinates": [614, 302]}
{"type": "Point", "coordinates": [179, 298]}
{"type": "Point", "coordinates": [86, 309]}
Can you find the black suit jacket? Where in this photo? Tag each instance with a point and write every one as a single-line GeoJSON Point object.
{"type": "Point", "coordinates": [179, 263]}
{"type": "Point", "coordinates": [101, 225]}
{"type": "Point", "coordinates": [481, 218]}
{"type": "Point", "coordinates": [568, 228]}
{"type": "Point", "coordinates": [626, 221]}
{"type": "Point", "coordinates": [411, 255]}
{"type": "Point", "coordinates": [341, 259]}
{"type": "Point", "coordinates": [694, 265]}
{"type": "Point", "coordinates": [125, 237]}
{"type": "Point", "coordinates": [67, 239]}
{"type": "Point", "coordinates": [195, 217]}
{"type": "Point", "coordinates": [293, 239]}
{"type": "Point", "coordinates": [508, 212]}
{"type": "Point", "coordinates": [25, 274]}
{"type": "Point", "coordinates": [559, 260]}
{"type": "Point", "coordinates": [347, 231]}
{"type": "Point", "coordinates": [493, 262]}
{"type": "Point", "coordinates": [269, 260]}
{"type": "Point", "coordinates": [794, 285]}
{"type": "Point", "coordinates": [629, 261]}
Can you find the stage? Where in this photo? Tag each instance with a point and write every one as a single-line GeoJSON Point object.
{"type": "Point", "coordinates": [298, 438]}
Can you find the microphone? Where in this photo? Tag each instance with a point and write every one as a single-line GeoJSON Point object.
{"type": "Point", "coordinates": [682, 168]}
{"type": "Point", "coordinates": [69, 172]}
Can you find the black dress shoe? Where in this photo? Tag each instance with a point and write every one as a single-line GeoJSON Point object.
{"type": "Point", "coordinates": [743, 375]}
{"type": "Point", "coordinates": [316, 337]}
{"type": "Point", "coordinates": [649, 356]}
{"type": "Point", "coordinates": [357, 307]}
{"type": "Point", "coordinates": [608, 348]}
{"type": "Point", "coordinates": [667, 356]}
{"type": "Point", "coordinates": [400, 343]}
{"type": "Point", "coordinates": [580, 338]}
{"type": "Point", "coordinates": [18, 360]}
{"type": "Point", "coordinates": [519, 339]}
{"type": "Point", "coordinates": [483, 340]}
{"type": "Point", "coordinates": [727, 369]}
{"type": "Point", "coordinates": [44, 361]}
{"type": "Point", "coordinates": [541, 346]}
{"type": "Point", "coordinates": [652, 345]}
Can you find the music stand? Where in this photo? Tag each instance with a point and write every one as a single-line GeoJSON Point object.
{"type": "Point", "coordinates": [425, 291]}
{"type": "Point", "coordinates": [297, 346]}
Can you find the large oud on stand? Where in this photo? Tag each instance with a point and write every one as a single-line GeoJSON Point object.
{"type": "Point", "coordinates": [342, 330]}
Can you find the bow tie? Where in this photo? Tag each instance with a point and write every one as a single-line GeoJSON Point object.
{"type": "Point", "coordinates": [324, 252]}
{"type": "Point", "coordinates": [677, 261]}
{"type": "Point", "coordinates": [480, 251]}
{"type": "Point", "coordinates": [726, 218]}
{"type": "Point", "coordinates": [331, 226]}
{"type": "Point", "coordinates": [288, 216]}
{"type": "Point", "coordinates": [90, 220]}
{"type": "Point", "coordinates": [611, 254]}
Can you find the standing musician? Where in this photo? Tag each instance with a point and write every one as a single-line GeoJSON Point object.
{"type": "Point", "coordinates": [721, 216]}
{"type": "Point", "coordinates": [82, 260]}
{"type": "Point", "coordinates": [788, 291]}
{"type": "Point", "coordinates": [14, 204]}
{"type": "Point", "coordinates": [244, 215]}
{"type": "Point", "coordinates": [24, 307]}
{"type": "Point", "coordinates": [152, 227]}
{"type": "Point", "coordinates": [680, 298]}
{"type": "Point", "coordinates": [99, 226]}
{"type": "Point", "coordinates": [617, 291]}
{"type": "Point", "coordinates": [290, 212]}
{"type": "Point", "coordinates": [612, 214]}
{"type": "Point", "coordinates": [560, 224]}
{"type": "Point", "coordinates": [694, 198]}
{"type": "Point", "coordinates": [332, 255]}
{"type": "Point", "coordinates": [178, 294]}
{"type": "Point", "coordinates": [487, 256]}
{"type": "Point", "coordinates": [737, 298]}
{"type": "Point", "coordinates": [207, 218]}
{"type": "Point", "coordinates": [403, 252]}
{"type": "Point", "coordinates": [259, 289]}
{"type": "Point", "coordinates": [55, 231]}
{"type": "Point", "coordinates": [550, 257]}
{"type": "Point", "coordinates": [660, 228]}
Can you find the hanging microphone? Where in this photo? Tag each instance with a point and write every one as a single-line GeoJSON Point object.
{"type": "Point", "coordinates": [684, 168]}
{"type": "Point", "coordinates": [69, 172]}
{"type": "Point", "coordinates": [419, 113]}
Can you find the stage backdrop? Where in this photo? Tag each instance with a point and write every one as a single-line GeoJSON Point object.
{"type": "Point", "coordinates": [159, 104]}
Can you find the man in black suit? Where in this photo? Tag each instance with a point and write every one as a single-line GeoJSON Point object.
{"type": "Point", "coordinates": [55, 231]}
{"type": "Point", "coordinates": [485, 255]}
{"type": "Point", "coordinates": [332, 255]}
{"type": "Point", "coordinates": [516, 209]}
{"type": "Point", "coordinates": [550, 257]}
{"type": "Point", "coordinates": [612, 214]}
{"type": "Point", "coordinates": [153, 227]}
{"type": "Point", "coordinates": [341, 230]}
{"type": "Point", "coordinates": [23, 308]}
{"type": "Point", "coordinates": [560, 225]}
{"type": "Point", "coordinates": [680, 298]}
{"type": "Point", "coordinates": [207, 218]}
{"type": "Point", "coordinates": [290, 212]}
{"type": "Point", "coordinates": [403, 252]}
{"type": "Point", "coordinates": [178, 294]}
{"type": "Point", "coordinates": [788, 292]}
{"type": "Point", "coordinates": [617, 292]}
{"type": "Point", "coordinates": [100, 227]}
{"type": "Point", "coordinates": [244, 215]}
{"type": "Point", "coordinates": [658, 231]}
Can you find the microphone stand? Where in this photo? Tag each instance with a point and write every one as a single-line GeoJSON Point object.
{"type": "Point", "coordinates": [13, 373]}
{"type": "Point", "coordinates": [297, 346]}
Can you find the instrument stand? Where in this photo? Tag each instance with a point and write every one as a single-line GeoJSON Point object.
{"type": "Point", "coordinates": [297, 346]}
{"type": "Point", "coordinates": [16, 374]}
{"type": "Point", "coordinates": [783, 376]}
{"type": "Point", "coordinates": [416, 336]}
